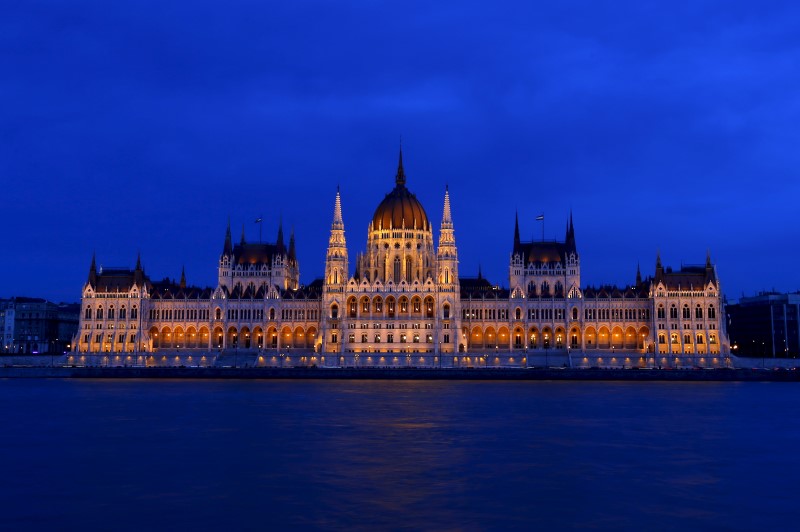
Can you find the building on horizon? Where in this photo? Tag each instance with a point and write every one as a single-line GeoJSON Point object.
{"type": "Point", "coordinates": [404, 303]}
{"type": "Point", "coordinates": [7, 325]}
{"type": "Point", "coordinates": [765, 325]}
{"type": "Point", "coordinates": [33, 325]}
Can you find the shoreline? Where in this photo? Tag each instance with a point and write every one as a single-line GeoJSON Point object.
{"type": "Point", "coordinates": [493, 374]}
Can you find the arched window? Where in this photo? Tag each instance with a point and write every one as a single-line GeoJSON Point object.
{"type": "Point", "coordinates": [218, 314]}
{"type": "Point", "coordinates": [686, 312]}
{"type": "Point", "coordinates": [122, 313]}
{"type": "Point", "coordinates": [559, 289]}
{"type": "Point", "coordinates": [661, 313]}
{"type": "Point", "coordinates": [335, 311]}
{"type": "Point", "coordinates": [518, 314]}
{"type": "Point", "coordinates": [88, 314]}
{"type": "Point", "coordinates": [545, 289]}
{"type": "Point", "coordinates": [673, 312]}
{"type": "Point", "coordinates": [662, 339]}
{"type": "Point", "coordinates": [446, 276]}
{"type": "Point", "coordinates": [698, 312]}
{"type": "Point", "coordinates": [699, 338]}
{"type": "Point", "coordinates": [712, 314]}
{"type": "Point", "coordinates": [134, 312]}
{"type": "Point", "coordinates": [272, 313]}
{"type": "Point", "coordinates": [397, 277]}
{"type": "Point", "coordinates": [446, 311]}
{"type": "Point", "coordinates": [111, 312]}
{"type": "Point", "coordinates": [352, 308]}
{"type": "Point", "coordinates": [531, 288]}
{"type": "Point", "coordinates": [409, 269]}
{"type": "Point", "coordinates": [574, 313]}
{"type": "Point", "coordinates": [99, 313]}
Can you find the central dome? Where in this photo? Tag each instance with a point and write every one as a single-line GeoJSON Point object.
{"type": "Point", "coordinates": [400, 208]}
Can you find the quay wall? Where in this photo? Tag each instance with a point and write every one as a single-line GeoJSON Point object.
{"type": "Point", "coordinates": [697, 375]}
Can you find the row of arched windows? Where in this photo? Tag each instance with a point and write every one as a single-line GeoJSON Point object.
{"type": "Point", "coordinates": [544, 289]}
{"type": "Point", "coordinates": [686, 312]}
{"type": "Point", "coordinates": [111, 314]}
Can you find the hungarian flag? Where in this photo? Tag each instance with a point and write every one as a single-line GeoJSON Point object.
{"type": "Point", "coordinates": [540, 218]}
{"type": "Point", "coordinates": [258, 220]}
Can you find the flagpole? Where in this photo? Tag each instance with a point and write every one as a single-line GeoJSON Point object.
{"type": "Point", "coordinates": [260, 222]}
{"type": "Point", "coordinates": [540, 218]}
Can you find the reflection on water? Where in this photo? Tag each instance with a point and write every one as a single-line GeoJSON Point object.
{"type": "Point", "coordinates": [373, 454]}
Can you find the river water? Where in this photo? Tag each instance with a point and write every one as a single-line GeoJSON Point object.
{"type": "Point", "coordinates": [255, 455]}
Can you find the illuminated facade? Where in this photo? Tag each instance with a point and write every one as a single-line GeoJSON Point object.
{"type": "Point", "coordinates": [405, 305]}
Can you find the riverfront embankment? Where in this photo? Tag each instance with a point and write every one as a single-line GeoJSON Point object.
{"type": "Point", "coordinates": [515, 374]}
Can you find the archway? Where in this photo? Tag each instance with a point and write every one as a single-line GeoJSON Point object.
{"type": "Point", "coordinates": [591, 338]}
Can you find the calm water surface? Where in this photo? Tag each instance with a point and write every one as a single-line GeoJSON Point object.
{"type": "Point", "coordinates": [133, 455]}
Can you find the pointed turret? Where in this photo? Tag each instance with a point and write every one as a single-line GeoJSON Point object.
{"type": "Point", "coordinates": [183, 278]}
{"type": "Point", "coordinates": [280, 244]}
{"type": "Point", "coordinates": [570, 241]}
{"type": "Point", "coordinates": [638, 275]}
{"type": "Point", "coordinates": [336, 266]}
{"type": "Point", "coordinates": [93, 271]}
{"type": "Point", "coordinates": [516, 233]}
{"type": "Point", "coordinates": [227, 249]}
{"type": "Point", "coordinates": [292, 252]}
{"type": "Point", "coordinates": [338, 223]}
{"type": "Point", "coordinates": [138, 272]}
{"type": "Point", "coordinates": [400, 178]}
{"type": "Point", "coordinates": [447, 252]}
{"type": "Point", "coordinates": [243, 242]}
{"type": "Point", "coordinates": [659, 267]}
{"type": "Point", "coordinates": [709, 267]}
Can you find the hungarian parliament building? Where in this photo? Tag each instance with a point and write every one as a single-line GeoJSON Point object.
{"type": "Point", "coordinates": [404, 305]}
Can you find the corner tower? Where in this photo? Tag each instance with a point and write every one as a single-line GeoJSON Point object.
{"type": "Point", "coordinates": [447, 286]}
{"type": "Point", "coordinates": [336, 277]}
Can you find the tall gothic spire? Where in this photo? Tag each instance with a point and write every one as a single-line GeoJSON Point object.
{"type": "Point", "coordinates": [447, 217]}
{"type": "Point", "coordinates": [516, 232]}
{"type": "Point", "coordinates": [243, 241]}
{"type": "Point", "coordinates": [338, 223]}
{"type": "Point", "coordinates": [638, 275]}
{"type": "Point", "coordinates": [336, 265]}
{"type": "Point", "coordinates": [400, 178]}
{"type": "Point", "coordinates": [447, 239]}
{"type": "Point", "coordinates": [183, 277]}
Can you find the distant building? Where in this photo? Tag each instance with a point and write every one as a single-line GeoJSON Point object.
{"type": "Point", "coordinates": [7, 325]}
{"type": "Point", "coordinates": [766, 325]}
{"type": "Point", "coordinates": [43, 327]}
{"type": "Point", "coordinates": [405, 304]}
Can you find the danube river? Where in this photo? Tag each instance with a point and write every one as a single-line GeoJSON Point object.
{"type": "Point", "coordinates": [226, 455]}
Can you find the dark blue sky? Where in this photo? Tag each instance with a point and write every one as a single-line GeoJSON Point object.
{"type": "Point", "coordinates": [143, 125]}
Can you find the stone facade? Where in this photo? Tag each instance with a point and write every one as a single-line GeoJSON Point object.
{"type": "Point", "coordinates": [406, 305]}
